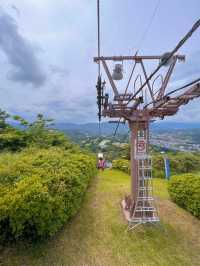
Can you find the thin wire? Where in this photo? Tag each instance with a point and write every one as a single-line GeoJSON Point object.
{"type": "Point", "coordinates": [181, 88]}
{"type": "Point", "coordinates": [139, 48]}
{"type": "Point", "coordinates": [149, 25]}
{"type": "Point", "coordinates": [99, 35]}
{"type": "Point", "coordinates": [99, 48]}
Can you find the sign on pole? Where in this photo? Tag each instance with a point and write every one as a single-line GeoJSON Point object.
{"type": "Point", "coordinates": [141, 148]}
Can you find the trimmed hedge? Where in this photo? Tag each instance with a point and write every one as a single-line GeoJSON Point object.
{"type": "Point", "coordinates": [185, 191]}
{"type": "Point", "coordinates": [40, 190]}
{"type": "Point", "coordinates": [122, 164]}
{"type": "Point", "coordinates": [180, 163]}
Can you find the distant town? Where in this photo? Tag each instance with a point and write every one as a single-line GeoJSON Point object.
{"type": "Point", "coordinates": [176, 140]}
{"type": "Point", "coordinates": [185, 140]}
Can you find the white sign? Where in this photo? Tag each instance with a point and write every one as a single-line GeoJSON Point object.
{"type": "Point", "coordinates": [141, 148]}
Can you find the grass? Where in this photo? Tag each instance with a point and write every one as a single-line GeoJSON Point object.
{"type": "Point", "coordinates": [97, 236]}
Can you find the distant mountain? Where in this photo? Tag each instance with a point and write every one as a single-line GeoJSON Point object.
{"type": "Point", "coordinates": [164, 125]}
{"type": "Point", "coordinates": [91, 128]}
{"type": "Point", "coordinates": [108, 129]}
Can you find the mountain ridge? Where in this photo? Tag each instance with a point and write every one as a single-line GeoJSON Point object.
{"type": "Point", "coordinates": [108, 129]}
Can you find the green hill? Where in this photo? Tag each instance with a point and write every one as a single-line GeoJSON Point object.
{"type": "Point", "coordinates": [98, 235]}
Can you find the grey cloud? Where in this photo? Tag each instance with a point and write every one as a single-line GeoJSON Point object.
{"type": "Point", "coordinates": [76, 110]}
{"type": "Point", "coordinates": [20, 54]}
{"type": "Point", "coordinates": [81, 104]}
{"type": "Point", "coordinates": [16, 9]}
{"type": "Point", "coordinates": [59, 70]}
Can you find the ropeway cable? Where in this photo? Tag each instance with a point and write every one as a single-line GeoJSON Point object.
{"type": "Point", "coordinates": [178, 46]}
{"type": "Point", "coordinates": [176, 90]}
{"type": "Point", "coordinates": [99, 50]}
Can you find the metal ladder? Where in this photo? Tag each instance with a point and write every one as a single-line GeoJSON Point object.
{"type": "Point", "coordinates": [145, 210]}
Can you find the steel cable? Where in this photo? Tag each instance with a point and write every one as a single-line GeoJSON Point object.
{"type": "Point", "coordinates": [139, 47]}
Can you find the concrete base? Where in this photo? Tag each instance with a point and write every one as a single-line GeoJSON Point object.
{"type": "Point", "coordinates": [126, 213]}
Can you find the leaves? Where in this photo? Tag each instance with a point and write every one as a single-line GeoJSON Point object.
{"type": "Point", "coordinates": [40, 189]}
{"type": "Point", "coordinates": [122, 164]}
{"type": "Point", "coordinates": [185, 191]}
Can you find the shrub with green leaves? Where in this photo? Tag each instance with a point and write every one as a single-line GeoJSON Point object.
{"type": "Point", "coordinates": [158, 170]}
{"type": "Point", "coordinates": [180, 162]}
{"type": "Point", "coordinates": [13, 139]}
{"type": "Point", "coordinates": [121, 164]}
{"type": "Point", "coordinates": [40, 190]}
{"type": "Point", "coordinates": [185, 191]}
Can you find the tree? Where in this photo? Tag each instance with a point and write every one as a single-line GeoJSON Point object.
{"type": "Point", "coordinates": [3, 117]}
{"type": "Point", "coordinates": [22, 121]}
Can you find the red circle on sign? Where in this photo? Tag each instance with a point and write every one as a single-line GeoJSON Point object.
{"type": "Point", "coordinates": [141, 145]}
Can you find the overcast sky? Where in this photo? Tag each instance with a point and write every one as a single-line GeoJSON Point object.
{"type": "Point", "coordinates": [47, 49]}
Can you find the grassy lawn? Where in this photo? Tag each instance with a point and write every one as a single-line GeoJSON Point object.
{"type": "Point", "coordinates": [97, 236]}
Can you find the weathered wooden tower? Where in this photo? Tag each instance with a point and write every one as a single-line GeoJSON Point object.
{"type": "Point", "coordinates": [139, 107]}
{"type": "Point", "coordinates": [139, 207]}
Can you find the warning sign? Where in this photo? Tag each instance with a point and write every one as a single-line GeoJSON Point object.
{"type": "Point", "coordinates": [141, 145]}
{"type": "Point", "coordinates": [141, 148]}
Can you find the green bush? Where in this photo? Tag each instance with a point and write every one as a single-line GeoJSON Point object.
{"type": "Point", "coordinates": [12, 139]}
{"type": "Point", "coordinates": [121, 164]}
{"type": "Point", "coordinates": [38, 134]}
{"type": "Point", "coordinates": [185, 191]}
{"type": "Point", "coordinates": [158, 170]}
{"type": "Point", "coordinates": [180, 163]}
{"type": "Point", "coordinates": [40, 190]}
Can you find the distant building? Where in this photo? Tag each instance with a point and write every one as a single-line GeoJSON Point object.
{"type": "Point", "coordinates": [103, 143]}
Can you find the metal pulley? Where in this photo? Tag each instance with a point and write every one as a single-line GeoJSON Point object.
{"type": "Point", "coordinates": [166, 60]}
{"type": "Point", "coordinates": [118, 72]}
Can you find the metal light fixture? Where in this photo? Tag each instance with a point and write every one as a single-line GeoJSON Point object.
{"type": "Point", "coordinates": [118, 72]}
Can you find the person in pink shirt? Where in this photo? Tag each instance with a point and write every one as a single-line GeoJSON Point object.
{"type": "Point", "coordinates": [101, 164]}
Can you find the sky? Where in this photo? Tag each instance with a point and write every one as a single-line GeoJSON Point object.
{"type": "Point", "coordinates": [47, 49]}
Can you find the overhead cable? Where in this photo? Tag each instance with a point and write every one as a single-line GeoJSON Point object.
{"type": "Point", "coordinates": [178, 46]}
{"type": "Point", "coordinates": [139, 47]}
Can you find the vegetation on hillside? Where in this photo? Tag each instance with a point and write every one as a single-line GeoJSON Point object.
{"type": "Point", "coordinates": [43, 178]}
{"type": "Point", "coordinates": [122, 164]}
{"type": "Point", "coordinates": [98, 235]}
{"type": "Point", "coordinates": [185, 191]}
{"type": "Point", "coordinates": [40, 190]}
{"type": "Point", "coordinates": [180, 162]}
{"type": "Point", "coordinates": [37, 133]}
{"type": "Point", "coordinates": [184, 186]}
